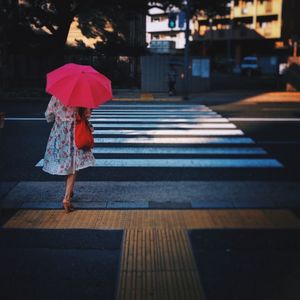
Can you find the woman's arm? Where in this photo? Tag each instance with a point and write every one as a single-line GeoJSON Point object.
{"type": "Point", "coordinates": [90, 125]}
{"type": "Point", "coordinates": [50, 112]}
{"type": "Point", "coordinates": [87, 115]}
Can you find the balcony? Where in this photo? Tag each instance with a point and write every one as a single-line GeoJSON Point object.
{"type": "Point", "coordinates": [225, 34]}
{"type": "Point", "coordinates": [271, 30]}
{"type": "Point", "coordinates": [243, 11]}
{"type": "Point", "coordinates": [269, 8]}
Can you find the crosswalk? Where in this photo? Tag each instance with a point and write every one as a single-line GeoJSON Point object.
{"type": "Point", "coordinates": [171, 136]}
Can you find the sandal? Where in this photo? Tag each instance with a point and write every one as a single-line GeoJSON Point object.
{"type": "Point", "coordinates": [67, 206]}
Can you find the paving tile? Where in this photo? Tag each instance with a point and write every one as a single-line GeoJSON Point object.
{"type": "Point", "coordinates": [135, 204]}
{"type": "Point", "coordinates": [211, 204]}
{"type": "Point", "coordinates": [177, 205]}
{"type": "Point", "coordinates": [254, 204]}
{"type": "Point", "coordinates": [5, 187]}
{"type": "Point", "coordinates": [41, 205]}
{"type": "Point", "coordinates": [89, 204]}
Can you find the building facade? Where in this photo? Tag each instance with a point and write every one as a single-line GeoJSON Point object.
{"type": "Point", "coordinates": [252, 27]}
{"type": "Point", "coordinates": [157, 28]}
{"type": "Point", "coordinates": [248, 19]}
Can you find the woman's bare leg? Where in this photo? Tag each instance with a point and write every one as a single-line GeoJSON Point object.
{"type": "Point", "coordinates": [69, 187]}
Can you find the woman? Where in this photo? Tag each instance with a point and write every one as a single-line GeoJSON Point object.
{"type": "Point", "coordinates": [62, 157]}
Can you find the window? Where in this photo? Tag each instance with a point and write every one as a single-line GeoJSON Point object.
{"type": "Point", "coordinates": [155, 18]}
{"type": "Point", "coordinates": [269, 7]}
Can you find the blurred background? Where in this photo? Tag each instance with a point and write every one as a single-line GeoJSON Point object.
{"type": "Point", "coordinates": [251, 44]}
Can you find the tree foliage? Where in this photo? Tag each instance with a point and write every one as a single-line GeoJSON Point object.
{"type": "Point", "coordinates": [46, 23]}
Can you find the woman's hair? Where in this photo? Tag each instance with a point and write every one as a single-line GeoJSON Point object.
{"type": "Point", "coordinates": [81, 111]}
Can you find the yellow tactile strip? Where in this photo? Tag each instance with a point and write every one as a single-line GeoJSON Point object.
{"type": "Point", "coordinates": [168, 219]}
{"type": "Point", "coordinates": [157, 260]}
{"type": "Point", "coordinates": [158, 264]}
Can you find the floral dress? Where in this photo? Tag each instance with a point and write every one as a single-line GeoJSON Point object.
{"type": "Point", "coordinates": [62, 157]}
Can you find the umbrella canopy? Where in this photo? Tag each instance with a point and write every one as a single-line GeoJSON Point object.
{"type": "Point", "coordinates": [79, 85]}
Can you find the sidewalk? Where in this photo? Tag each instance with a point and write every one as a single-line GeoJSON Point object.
{"type": "Point", "coordinates": [31, 94]}
{"type": "Point", "coordinates": [161, 257]}
{"type": "Point", "coordinates": [143, 195]}
{"type": "Point", "coordinates": [239, 97]}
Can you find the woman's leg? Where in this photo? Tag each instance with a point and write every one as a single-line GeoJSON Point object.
{"type": "Point", "coordinates": [69, 189]}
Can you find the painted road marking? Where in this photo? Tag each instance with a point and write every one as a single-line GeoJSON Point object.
{"type": "Point", "coordinates": [178, 150]}
{"type": "Point", "coordinates": [205, 119]}
{"type": "Point", "coordinates": [136, 109]}
{"type": "Point", "coordinates": [171, 120]}
{"type": "Point", "coordinates": [170, 126]}
{"type": "Point", "coordinates": [201, 128]}
{"type": "Point", "coordinates": [175, 105]}
{"type": "Point", "coordinates": [185, 132]}
{"type": "Point", "coordinates": [144, 117]}
{"type": "Point", "coordinates": [186, 163]}
{"type": "Point", "coordinates": [149, 115]}
{"type": "Point", "coordinates": [179, 140]}
{"type": "Point", "coordinates": [155, 112]}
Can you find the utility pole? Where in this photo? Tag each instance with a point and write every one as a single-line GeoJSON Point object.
{"type": "Point", "coordinates": [186, 49]}
{"type": "Point", "coordinates": [295, 48]}
{"type": "Point", "coordinates": [230, 37]}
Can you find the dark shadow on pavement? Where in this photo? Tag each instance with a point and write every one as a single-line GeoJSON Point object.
{"type": "Point", "coordinates": [248, 264]}
{"type": "Point", "coordinates": [59, 264]}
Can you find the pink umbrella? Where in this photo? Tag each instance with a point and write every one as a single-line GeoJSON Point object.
{"type": "Point", "coordinates": [79, 85]}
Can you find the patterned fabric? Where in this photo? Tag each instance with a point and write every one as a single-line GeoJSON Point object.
{"type": "Point", "coordinates": [62, 156]}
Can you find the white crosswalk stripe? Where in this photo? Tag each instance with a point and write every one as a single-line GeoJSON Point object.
{"type": "Point", "coordinates": [156, 115]}
{"type": "Point", "coordinates": [151, 112]}
{"type": "Point", "coordinates": [170, 126]}
{"type": "Point", "coordinates": [155, 112]}
{"type": "Point", "coordinates": [180, 140]}
{"type": "Point", "coordinates": [206, 119]}
{"type": "Point", "coordinates": [190, 163]}
{"type": "Point", "coordinates": [152, 107]}
{"type": "Point", "coordinates": [186, 132]}
{"type": "Point", "coordinates": [197, 136]}
{"type": "Point", "coordinates": [178, 150]}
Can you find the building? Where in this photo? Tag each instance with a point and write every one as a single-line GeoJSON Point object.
{"type": "Point", "coordinates": [248, 19]}
{"type": "Point", "coordinates": [252, 27]}
{"type": "Point", "coordinates": [157, 29]}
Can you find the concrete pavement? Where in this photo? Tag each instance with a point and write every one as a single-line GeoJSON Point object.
{"type": "Point", "coordinates": [160, 194]}
{"type": "Point", "coordinates": [157, 259]}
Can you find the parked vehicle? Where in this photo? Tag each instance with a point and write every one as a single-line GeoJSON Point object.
{"type": "Point", "coordinates": [250, 66]}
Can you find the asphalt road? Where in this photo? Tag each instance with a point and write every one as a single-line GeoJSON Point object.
{"type": "Point", "coordinates": [272, 127]}
{"type": "Point", "coordinates": [255, 164]}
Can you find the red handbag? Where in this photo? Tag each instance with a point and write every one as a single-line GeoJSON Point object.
{"type": "Point", "coordinates": [83, 135]}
